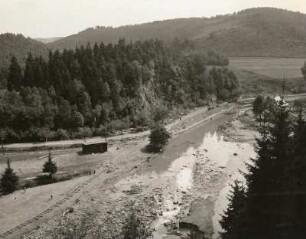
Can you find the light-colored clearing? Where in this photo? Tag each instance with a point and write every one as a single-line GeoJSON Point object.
{"type": "Point", "coordinates": [272, 67]}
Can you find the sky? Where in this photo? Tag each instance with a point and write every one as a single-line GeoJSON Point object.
{"type": "Point", "coordinates": [59, 18]}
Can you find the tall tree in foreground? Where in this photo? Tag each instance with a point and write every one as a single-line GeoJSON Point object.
{"type": "Point", "coordinates": [275, 194]}
{"type": "Point", "coordinates": [299, 161]}
{"type": "Point", "coordinates": [231, 220]}
{"type": "Point", "coordinates": [9, 180]}
{"type": "Point", "coordinates": [267, 180]}
{"type": "Point", "coordinates": [50, 166]}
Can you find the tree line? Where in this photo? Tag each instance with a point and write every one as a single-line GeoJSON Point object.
{"type": "Point", "coordinates": [94, 90]}
{"type": "Point", "coordinates": [272, 202]}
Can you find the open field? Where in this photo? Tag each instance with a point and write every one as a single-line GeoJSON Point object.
{"type": "Point", "coordinates": [277, 68]}
{"type": "Point", "coordinates": [253, 84]}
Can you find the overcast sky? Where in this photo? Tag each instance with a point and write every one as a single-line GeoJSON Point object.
{"type": "Point", "coordinates": [52, 18]}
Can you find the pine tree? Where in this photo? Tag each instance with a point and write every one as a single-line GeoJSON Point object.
{"type": "Point", "coordinates": [270, 210]}
{"type": "Point", "coordinates": [9, 180]}
{"type": "Point", "coordinates": [299, 173]}
{"type": "Point", "coordinates": [50, 166]}
{"type": "Point", "coordinates": [232, 220]}
{"type": "Point", "coordinates": [14, 80]}
{"type": "Point", "coordinates": [267, 180]}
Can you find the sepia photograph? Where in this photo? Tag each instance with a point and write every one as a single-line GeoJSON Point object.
{"type": "Point", "coordinates": [152, 119]}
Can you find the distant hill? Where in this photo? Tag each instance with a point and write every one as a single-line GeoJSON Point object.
{"type": "Point", "coordinates": [18, 45]}
{"type": "Point", "coordinates": [252, 32]}
{"type": "Point", "coordinates": [48, 40]}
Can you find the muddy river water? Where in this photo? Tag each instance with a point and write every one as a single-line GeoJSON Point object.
{"type": "Point", "coordinates": [201, 172]}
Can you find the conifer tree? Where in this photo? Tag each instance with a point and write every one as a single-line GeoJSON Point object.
{"type": "Point", "coordinates": [9, 180]}
{"type": "Point", "coordinates": [267, 179]}
{"type": "Point", "coordinates": [14, 80]}
{"type": "Point", "coordinates": [272, 208]}
{"type": "Point", "coordinates": [299, 173]}
{"type": "Point", "coordinates": [50, 166]}
{"type": "Point", "coordinates": [232, 220]}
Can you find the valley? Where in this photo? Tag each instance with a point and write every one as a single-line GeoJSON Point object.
{"type": "Point", "coordinates": [186, 128]}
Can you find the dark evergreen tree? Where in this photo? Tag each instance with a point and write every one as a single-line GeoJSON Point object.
{"type": "Point", "coordinates": [299, 174]}
{"type": "Point", "coordinates": [275, 196]}
{"type": "Point", "coordinates": [232, 221]}
{"type": "Point", "coordinates": [50, 166]}
{"type": "Point", "coordinates": [14, 80]}
{"type": "Point", "coordinates": [9, 180]}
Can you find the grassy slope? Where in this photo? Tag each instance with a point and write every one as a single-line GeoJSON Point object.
{"type": "Point", "coordinates": [254, 84]}
{"type": "Point", "coordinates": [253, 32]}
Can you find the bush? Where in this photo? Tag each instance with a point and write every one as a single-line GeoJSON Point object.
{"type": "Point", "coordinates": [61, 134]}
{"type": "Point", "coordinates": [118, 125]}
{"type": "Point", "coordinates": [159, 137]}
{"type": "Point", "coordinates": [83, 132]}
{"type": "Point", "coordinates": [101, 131]}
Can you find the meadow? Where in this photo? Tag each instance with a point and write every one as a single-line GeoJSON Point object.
{"type": "Point", "coordinates": [277, 68]}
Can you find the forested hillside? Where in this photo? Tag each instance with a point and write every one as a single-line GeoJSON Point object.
{"type": "Point", "coordinates": [19, 46]}
{"type": "Point", "coordinates": [252, 32]}
{"type": "Point", "coordinates": [95, 90]}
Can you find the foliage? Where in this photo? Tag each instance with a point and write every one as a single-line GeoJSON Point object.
{"type": "Point", "coordinates": [50, 166]}
{"type": "Point", "coordinates": [118, 86]}
{"type": "Point", "coordinates": [9, 180]}
{"type": "Point", "coordinates": [159, 137]}
{"type": "Point", "coordinates": [134, 228]}
{"type": "Point", "coordinates": [274, 204]}
{"type": "Point", "coordinates": [232, 216]}
{"type": "Point", "coordinates": [259, 106]}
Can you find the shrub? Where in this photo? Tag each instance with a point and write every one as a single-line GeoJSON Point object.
{"type": "Point", "coordinates": [158, 138]}
{"type": "Point", "coordinates": [61, 134]}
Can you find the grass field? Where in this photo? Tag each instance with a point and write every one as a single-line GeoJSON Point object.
{"type": "Point", "coordinates": [276, 68]}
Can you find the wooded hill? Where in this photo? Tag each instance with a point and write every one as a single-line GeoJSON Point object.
{"type": "Point", "coordinates": [95, 90]}
{"type": "Point", "coordinates": [252, 32]}
{"type": "Point", "coordinates": [19, 46]}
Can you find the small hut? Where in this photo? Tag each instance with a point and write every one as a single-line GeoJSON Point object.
{"type": "Point", "coordinates": [97, 147]}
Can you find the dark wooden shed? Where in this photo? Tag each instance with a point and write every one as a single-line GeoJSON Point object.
{"type": "Point", "coordinates": [89, 148]}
